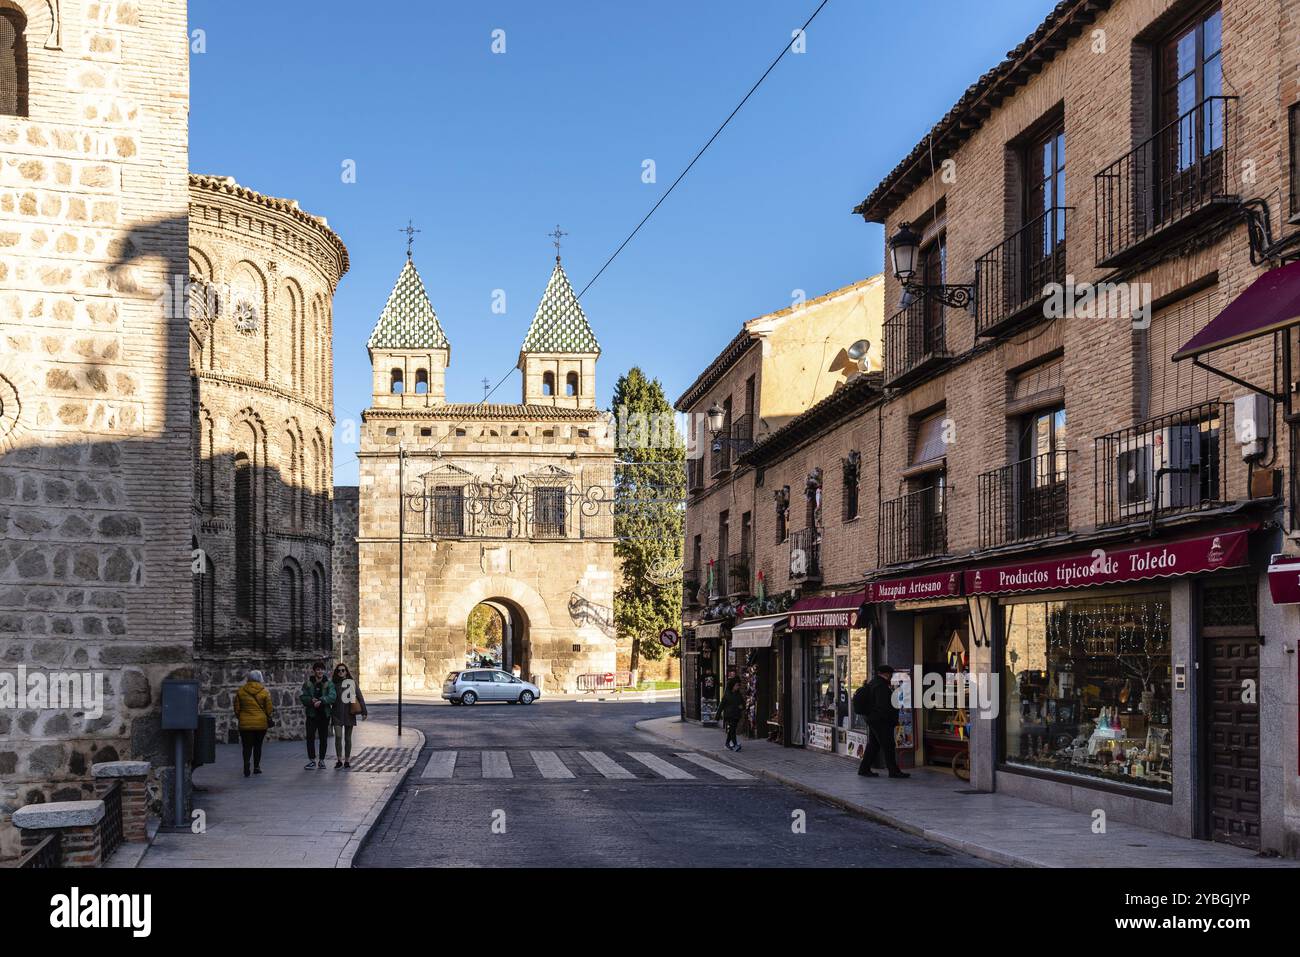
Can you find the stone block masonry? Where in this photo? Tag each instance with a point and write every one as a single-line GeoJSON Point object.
{"type": "Point", "coordinates": [95, 469]}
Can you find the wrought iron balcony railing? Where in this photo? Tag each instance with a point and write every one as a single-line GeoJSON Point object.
{"type": "Point", "coordinates": [720, 455]}
{"type": "Point", "coordinates": [1173, 179]}
{"type": "Point", "coordinates": [742, 434]}
{"type": "Point", "coordinates": [1011, 279]}
{"type": "Point", "coordinates": [1168, 465]}
{"type": "Point", "coordinates": [529, 507]}
{"type": "Point", "coordinates": [806, 555]}
{"type": "Point", "coordinates": [1025, 500]}
{"type": "Point", "coordinates": [915, 341]}
{"type": "Point", "coordinates": [738, 574]}
{"type": "Point", "coordinates": [915, 525]}
{"type": "Point", "coordinates": [695, 474]}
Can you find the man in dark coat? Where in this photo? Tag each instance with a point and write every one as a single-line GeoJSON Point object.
{"type": "Point", "coordinates": [876, 699]}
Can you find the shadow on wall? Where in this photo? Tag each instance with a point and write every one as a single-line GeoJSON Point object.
{"type": "Point", "coordinates": [95, 514]}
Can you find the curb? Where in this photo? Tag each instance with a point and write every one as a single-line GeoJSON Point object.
{"type": "Point", "coordinates": [362, 830]}
{"type": "Point", "coordinates": [880, 817]}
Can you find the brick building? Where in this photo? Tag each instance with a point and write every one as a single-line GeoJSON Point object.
{"type": "Point", "coordinates": [774, 368]}
{"type": "Point", "coordinates": [263, 274]}
{"type": "Point", "coordinates": [508, 506]}
{"type": "Point", "coordinates": [1052, 507]}
{"type": "Point", "coordinates": [95, 463]}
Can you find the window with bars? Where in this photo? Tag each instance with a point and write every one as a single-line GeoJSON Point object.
{"type": "Point", "coordinates": [782, 497]}
{"type": "Point", "coordinates": [549, 512]}
{"type": "Point", "coordinates": [852, 476]}
{"type": "Point", "coordinates": [13, 62]}
{"type": "Point", "coordinates": [1171, 386]}
{"type": "Point", "coordinates": [449, 511]}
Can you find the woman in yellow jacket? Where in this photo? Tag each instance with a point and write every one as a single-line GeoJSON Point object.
{"type": "Point", "coordinates": [253, 711]}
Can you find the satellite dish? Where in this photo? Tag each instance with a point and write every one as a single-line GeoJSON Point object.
{"type": "Point", "coordinates": [860, 352]}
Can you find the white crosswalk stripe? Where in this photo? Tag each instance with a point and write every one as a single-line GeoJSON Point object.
{"type": "Point", "coordinates": [442, 764]}
{"type": "Point", "coordinates": [549, 763]}
{"type": "Point", "coordinates": [496, 765]}
{"type": "Point", "coordinates": [717, 767]}
{"type": "Point", "coordinates": [661, 767]}
{"type": "Point", "coordinates": [606, 765]}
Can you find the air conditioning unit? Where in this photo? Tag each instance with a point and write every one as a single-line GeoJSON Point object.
{"type": "Point", "coordinates": [1141, 457]}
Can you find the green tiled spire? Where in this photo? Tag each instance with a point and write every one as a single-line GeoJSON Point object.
{"type": "Point", "coordinates": [560, 325]}
{"type": "Point", "coordinates": [408, 320]}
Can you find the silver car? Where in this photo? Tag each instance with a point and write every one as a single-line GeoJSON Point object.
{"type": "Point", "coordinates": [488, 684]}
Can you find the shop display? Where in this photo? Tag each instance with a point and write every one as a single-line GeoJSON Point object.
{"type": "Point", "coordinates": [1087, 688]}
{"type": "Point", "coordinates": [947, 727]}
{"type": "Point", "coordinates": [821, 681]}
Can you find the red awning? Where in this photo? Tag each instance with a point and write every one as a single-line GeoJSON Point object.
{"type": "Point", "coordinates": [942, 585]}
{"type": "Point", "coordinates": [827, 611]}
{"type": "Point", "coordinates": [1270, 303]}
{"type": "Point", "coordinates": [1101, 566]}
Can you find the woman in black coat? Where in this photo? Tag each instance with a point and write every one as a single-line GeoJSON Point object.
{"type": "Point", "coordinates": [344, 717]}
{"type": "Point", "coordinates": [732, 707]}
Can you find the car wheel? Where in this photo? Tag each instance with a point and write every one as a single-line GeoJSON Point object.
{"type": "Point", "coordinates": [526, 698]}
{"type": "Point", "coordinates": [468, 697]}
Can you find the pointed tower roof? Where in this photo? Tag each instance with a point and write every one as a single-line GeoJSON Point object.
{"type": "Point", "coordinates": [560, 324]}
{"type": "Point", "coordinates": [408, 320]}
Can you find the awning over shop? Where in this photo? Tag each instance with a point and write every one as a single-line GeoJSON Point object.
{"type": "Point", "coordinates": [1187, 556]}
{"type": "Point", "coordinates": [1270, 303]}
{"type": "Point", "coordinates": [758, 632]}
{"type": "Point", "coordinates": [1284, 579]}
{"type": "Point", "coordinates": [827, 611]}
{"type": "Point", "coordinates": [708, 629]}
{"type": "Point", "coordinates": [943, 585]}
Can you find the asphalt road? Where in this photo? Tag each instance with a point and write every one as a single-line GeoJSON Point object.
{"type": "Point", "coordinates": [572, 784]}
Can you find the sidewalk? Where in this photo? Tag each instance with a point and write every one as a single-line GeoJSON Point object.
{"type": "Point", "coordinates": [936, 806]}
{"type": "Point", "coordinates": [290, 816]}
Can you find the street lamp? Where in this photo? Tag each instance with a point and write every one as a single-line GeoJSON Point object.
{"type": "Point", "coordinates": [905, 252]}
{"type": "Point", "coordinates": [717, 417]}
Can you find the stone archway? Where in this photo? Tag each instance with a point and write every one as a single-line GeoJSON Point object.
{"type": "Point", "coordinates": [506, 642]}
{"type": "Point", "coordinates": [521, 608]}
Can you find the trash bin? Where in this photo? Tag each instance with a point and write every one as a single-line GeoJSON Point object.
{"type": "Point", "coordinates": [205, 741]}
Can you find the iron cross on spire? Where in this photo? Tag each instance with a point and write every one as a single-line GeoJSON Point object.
{"type": "Point", "coordinates": [410, 231]}
{"type": "Point", "coordinates": [555, 240]}
{"type": "Point", "coordinates": [487, 387]}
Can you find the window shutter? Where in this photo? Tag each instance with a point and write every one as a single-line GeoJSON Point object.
{"type": "Point", "coordinates": [1176, 385]}
{"type": "Point", "coordinates": [929, 444]}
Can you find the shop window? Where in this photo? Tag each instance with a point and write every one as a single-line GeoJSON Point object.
{"type": "Point", "coordinates": [13, 62]}
{"type": "Point", "coordinates": [1087, 688]}
{"type": "Point", "coordinates": [821, 680]}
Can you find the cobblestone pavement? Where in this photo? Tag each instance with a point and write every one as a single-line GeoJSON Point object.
{"type": "Point", "coordinates": [571, 784]}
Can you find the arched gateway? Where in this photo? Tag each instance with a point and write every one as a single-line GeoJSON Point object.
{"type": "Point", "coordinates": [507, 508]}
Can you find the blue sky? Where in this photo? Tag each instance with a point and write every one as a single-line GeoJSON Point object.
{"type": "Point", "coordinates": [488, 152]}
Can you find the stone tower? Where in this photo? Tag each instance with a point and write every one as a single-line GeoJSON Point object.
{"type": "Point", "coordinates": [409, 353]}
{"type": "Point", "coordinates": [508, 506]}
{"type": "Point", "coordinates": [558, 357]}
{"type": "Point", "coordinates": [94, 387]}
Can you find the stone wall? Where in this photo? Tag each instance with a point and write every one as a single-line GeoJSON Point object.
{"type": "Point", "coordinates": [261, 316]}
{"type": "Point", "coordinates": [345, 571]}
{"type": "Point", "coordinates": [94, 397]}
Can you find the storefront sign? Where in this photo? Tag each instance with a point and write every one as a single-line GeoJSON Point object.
{"type": "Point", "coordinates": [944, 585]}
{"type": "Point", "coordinates": [1284, 579]}
{"type": "Point", "coordinates": [825, 612]}
{"type": "Point", "coordinates": [1101, 566]}
{"type": "Point", "coordinates": [857, 744]}
{"type": "Point", "coordinates": [820, 737]}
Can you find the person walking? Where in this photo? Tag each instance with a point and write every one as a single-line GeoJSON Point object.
{"type": "Point", "coordinates": [253, 714]}
{"type": "Point", "coordinates": [318, 696]}
{"type": "Point", "coordinates": [875, 702]}
{"type": "Point", "coordinates": [733, 706]}
{"type": "Point", "coordinates": [348, 704]}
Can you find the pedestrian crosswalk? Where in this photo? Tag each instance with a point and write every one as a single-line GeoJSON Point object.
{"type": "Point", "coordinates": [577, 765]}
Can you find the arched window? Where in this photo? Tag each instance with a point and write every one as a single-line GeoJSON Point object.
{"type": "Point", "coordinates": [205, 592]}
{"type": "Point", "coordinates": [245, 558]}
{"type": "Point", "coordinates": [571, 384]}
{"type": "Point", "coordinates": [291, 483]}
{"type": "Point", "coordinates": [395, 382]}
{"type": "Point", "coordinates": [320, 607]}
{"type": "Point", "coordinates": [421, 381]}
{"type": "Point", "coordinates": [291, 603]}
{"type": "Point", "coordinates": [548, 383]}
{"type": "Point", "coordinates": [13, 62]}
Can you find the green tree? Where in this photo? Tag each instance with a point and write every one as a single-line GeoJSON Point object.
{"type": "Point", "coordinates": [649, 509]}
